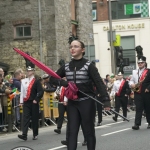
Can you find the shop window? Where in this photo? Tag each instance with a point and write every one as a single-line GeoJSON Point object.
{"type": "Point", "coordinates": [22, 31]}
{"type": "Point", "coordinates": [129, 9]}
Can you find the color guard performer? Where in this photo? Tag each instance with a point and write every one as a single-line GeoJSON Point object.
{"type": "Point", "coordinates": [121, 91]}
{"type": "Point", "coordinates": [82, 110]}
{"type": "Point", "coordinates": [31, 93]}
{"type": "Point", "coordinates": [140, 84]}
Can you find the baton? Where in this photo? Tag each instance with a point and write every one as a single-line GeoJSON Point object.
{"type": "Point", "coordinates": [103, 105]}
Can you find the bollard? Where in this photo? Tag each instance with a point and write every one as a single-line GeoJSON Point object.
{"type": "Point", "coordinates": [21, 117]}
{"type": "Point", "coordinates": [9, 110]}
{"type": "Point", "coordinates": [42, 112]}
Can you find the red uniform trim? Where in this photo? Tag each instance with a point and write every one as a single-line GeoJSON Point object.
{"type": "Point", "coordinates": [120, 89]}
{"type": "Point", "coordinates": [142, 78]}
{"type": "Point", "coordinates": [29, 89]}
{"type": "Point", "coordinates": [62, 94]}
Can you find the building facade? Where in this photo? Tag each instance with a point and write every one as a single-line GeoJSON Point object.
{"type": "Point", "coordinates": [45, 37]}
{"type": "Point", "coordinates": [132, 27]}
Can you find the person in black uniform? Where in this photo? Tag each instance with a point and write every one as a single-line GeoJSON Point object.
{"type": "Point", "coordinates": [121, 91]}
{"type": "Point", "coordinates": [62, 108]}
{"type": "Point", "coordinates": [31, 93]}
{"type": "Point", "coordinates": [140, 83]}
{"type": "Point", "coordinates": [82, 110]}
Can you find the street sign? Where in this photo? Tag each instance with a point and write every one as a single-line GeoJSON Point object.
{"type": "Point", "coordinates": [96, 60]}
{"type": "Point", "coordinates": [118, 41]}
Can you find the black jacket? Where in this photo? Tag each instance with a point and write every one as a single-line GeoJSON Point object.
{"type": "Point", "coordinates": [125, 89]}
{"type": "Point", "coordinates": [146, 82]}
{"type": "Point", "coordinates": [94, 76]}
{"type": "Point", "coordinates": [36, 91]}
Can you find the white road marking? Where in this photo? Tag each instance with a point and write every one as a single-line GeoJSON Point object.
{"type": "Point", "coordinates": [57, 147]}
{"type": "Point", "coordinates": [103, 126]}
{"type": "Point", "coordinates": [60, 147]}
{"type": "Point", "coordinates": [116, 132]}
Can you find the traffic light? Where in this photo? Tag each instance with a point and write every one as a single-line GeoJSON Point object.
{"type": "Point", "coordinates": [119, 55]}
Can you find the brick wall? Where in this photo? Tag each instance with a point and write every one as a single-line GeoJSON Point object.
{"type": "Point", "coordinates": [102, 10]}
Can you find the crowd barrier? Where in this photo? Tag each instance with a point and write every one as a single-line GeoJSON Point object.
{"type": "Point", "coordinates": [48, 112]}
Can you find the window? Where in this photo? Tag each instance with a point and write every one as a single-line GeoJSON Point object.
{"type": "Point", "coordinates": [94, 11]}
{"type": "Point", "coordinates": [129, 9]}
{"type": "Point", "coordinates": [22, 31]}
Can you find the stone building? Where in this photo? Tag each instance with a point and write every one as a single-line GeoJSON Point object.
{"type": "Point", "coordinates": [19, 27]}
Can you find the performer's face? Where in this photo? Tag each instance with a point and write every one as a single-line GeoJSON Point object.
{"type": "Point", "coordinates": [141, 65]}
{"type": "Point", "coordinates": [30, 73]}
{"type": "Point", "coordinates": [76, 50]}
{"type": "Point", "coordinates": [120, 77]}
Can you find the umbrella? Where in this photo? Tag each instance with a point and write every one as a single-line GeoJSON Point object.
{"type": "Point", "coordinates": [38, 63]}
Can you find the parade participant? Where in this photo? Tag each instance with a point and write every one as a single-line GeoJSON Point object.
{"type": "Point", "coordinates": [62, 108]}
{"type": "Point", "coordinates": [82, 110]}
{"type": "Point", "coordinates": [47, 86]}
{"type": "Point", "coordinates": [31, 93]}
{"type": "Point", "coordinates": [140, 84]}
{"type": "Point", "coordinates": [121, 91]}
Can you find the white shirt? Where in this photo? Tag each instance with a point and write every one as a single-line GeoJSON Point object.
{"type": "Point", "coordinates": [24, 87]}
{"type": "Point", "coordinates": [116, 87]}
{"type": "Point", "coordinates": [58, 91]}
{"type": "Point", "coordinates": [136, 74]}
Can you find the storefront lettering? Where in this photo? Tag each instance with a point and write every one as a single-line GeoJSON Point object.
{"type": "Point", "coordinates": [125, 27]}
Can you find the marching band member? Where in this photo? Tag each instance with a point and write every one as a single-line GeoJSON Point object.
{"type": "Point", "coordinates": [140, 84]}
{"type": "Point", "coordinates": [31, 93]}
{"type": "Point", "coordinates": [82, 109]}
{"type": "Point", "coordinates": [121, 91]}
{"type": "Point", "coordinates": [62, 108]}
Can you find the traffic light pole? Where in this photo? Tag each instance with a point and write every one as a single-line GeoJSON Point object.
{"type": "Point", "coordinates": [113, 64]}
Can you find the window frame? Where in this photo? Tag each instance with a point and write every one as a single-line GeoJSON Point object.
{"type": "Point", "coordinates": [22, 37]}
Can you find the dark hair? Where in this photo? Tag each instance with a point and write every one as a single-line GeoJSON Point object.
{"type": "Point", "coordinates": [82, 44]}
{"type": "Point", "coordinates": [107, 75]}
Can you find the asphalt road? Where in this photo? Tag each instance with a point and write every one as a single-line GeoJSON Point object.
{"type": "Point", "coordinates": [110, 136]}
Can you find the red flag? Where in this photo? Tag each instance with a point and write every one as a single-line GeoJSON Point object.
{"type": "Point", "coordinates": [38, 63]}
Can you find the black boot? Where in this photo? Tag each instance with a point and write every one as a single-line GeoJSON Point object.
{"type": "Point", "coordinates": [115, 119]}
{"type": "Point", "coordinates": [23, 137]}
{"type": "Point", "coordinates": [84, 143]}
{"type": "Point", "coordinates": [57, 131]}
{"type": "Point", "coordinates": [64, 142]}
{"type": "Point", "coordinates": [135, 127]}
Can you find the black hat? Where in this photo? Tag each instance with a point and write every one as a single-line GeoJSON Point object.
{"type": "Point", "coordinates": [29, 64]}
{"type": "Point", "coordinates": [142, 59]}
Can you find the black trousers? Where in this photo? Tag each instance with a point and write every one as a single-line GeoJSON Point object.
{"type": "Point", "coordinates": [142, 102]}
{"type": "Point", "coordinates": [99, 109]}
{"type": "Point", "coordinates": [81, 112]}
{"type": "Point", "coordinates": [121, 101]}
{"type": "Point", "coordinates": [30, 112]}
{"type": "Point", "coordinates": [68, 132]}
{"type": "Point", "coordinates": [61, 109]}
